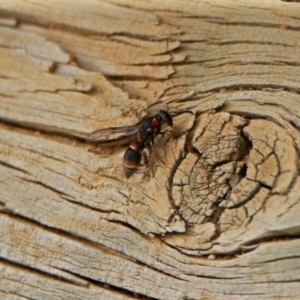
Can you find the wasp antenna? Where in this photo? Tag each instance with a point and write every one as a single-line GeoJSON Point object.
{"type": "Point", "coordinates": [183, 112]}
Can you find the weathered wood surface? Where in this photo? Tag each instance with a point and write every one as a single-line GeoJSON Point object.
{"type": "Point", "coordinates": [220, 218]}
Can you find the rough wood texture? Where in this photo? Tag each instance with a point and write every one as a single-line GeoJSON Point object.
{"type": "Point", "coordinates": [220, 218]}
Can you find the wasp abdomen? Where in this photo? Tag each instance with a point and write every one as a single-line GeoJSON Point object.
{"type": "Point", "coordinates": [132, 159]}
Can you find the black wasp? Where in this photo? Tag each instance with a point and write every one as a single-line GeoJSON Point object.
{"type": "Point", "coordinates": [148, 130]}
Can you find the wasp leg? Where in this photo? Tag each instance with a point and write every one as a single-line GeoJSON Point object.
{"type": "Point", "coordinates": [169, 132]}
{"type": "Point", "coordinates": [147, 155]}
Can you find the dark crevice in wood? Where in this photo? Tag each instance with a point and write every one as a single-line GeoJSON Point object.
{"type": "Point", "coordinates": [263, 185]}
{"type": "Point", "coordinates": [171, 177]}
{"type": "Point", "coordinates": [274, 237]}
{"type": "Point", "coordinates": [189, 16]}
{"type": "Point", "coordinates": [68, 197]}
{"type": "Point", "coordinates": [103, 284]}
{"type": "Point", "coordinates": [204, 257]}
{"type": "Point", "coordinates": [243, 171]}
{"type": "Point", "coordinates": [32, 20]}
{"type": "Point", "coordinates": [137, 77]}
{"type": "Point", "coordinates": [241, 42]}
{"type": "Point", "coordinates": [214, 218]}
{"type": "Point", "coordinates": [295, 125]}
{"type": "Point", "coordinates": [31, 129]}
{"type": "Point", "coordinates": [295, 1]}
{"type": "Point", "coordinates": [7, 165]}
{"type": "Point", "coordinates": [188, 147]}
{"type": "Point", "coordinates": [39, 272]}
{"type": "Point", "coordinates": [127, 225]}
{"type": "Point", "coordinates": [219, 164]}
{"type": "Point", "coordinates": [253, 25]}
{"type": "Point", "coordinates": [207, 64]}
{"type": "Point", "coordinates": [284, 258]}
{"type": "Point", "coordinates": [231, 88]}
{"type": "Point", "coordinates": [179, 249]}
{"type": "Point", "coordinates": [56, 191]}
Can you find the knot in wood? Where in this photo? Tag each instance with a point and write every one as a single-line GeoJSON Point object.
{"type": "Point", "coordinates": [202, 180]}
{"type": "Point", "coordinates": [229, 187]}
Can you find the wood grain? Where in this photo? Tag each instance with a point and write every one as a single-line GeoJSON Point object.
{"type": "Point", "coordinates": [220, 217]}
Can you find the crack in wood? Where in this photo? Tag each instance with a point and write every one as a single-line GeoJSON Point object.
{"type": "Point", "coordinates": [43, 273]}
{"type": "Point", "coordinates": [10, 166]}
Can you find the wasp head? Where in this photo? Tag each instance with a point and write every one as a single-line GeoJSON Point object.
{"type": "Point", "coordinates": [164, 116]}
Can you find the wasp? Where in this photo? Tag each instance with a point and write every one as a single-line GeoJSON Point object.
{"type": "Point", "coordinates": [148, 131]}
